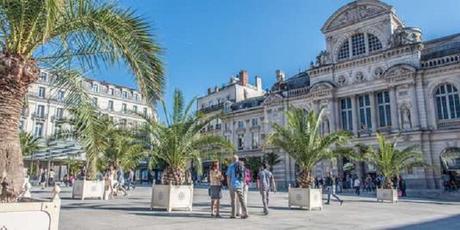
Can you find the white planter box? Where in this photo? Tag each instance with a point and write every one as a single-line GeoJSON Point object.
{"type": "Point", "coordinates": [35, 215]}
{"type": "Point", "coordinates": [305, 198]}
{"type": "Point", "coordinates": [88, 189]}
{"type": "Point", "coordinates": [172, 197]}
{"type": "Point", "coordinates": [387, 195]}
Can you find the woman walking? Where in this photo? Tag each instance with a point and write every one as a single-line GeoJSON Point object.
{"type": "Point", "coordinates": [215, 188]}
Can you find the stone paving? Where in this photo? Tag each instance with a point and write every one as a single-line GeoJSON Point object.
{"type": "Point", "coordinates": [132, 212]}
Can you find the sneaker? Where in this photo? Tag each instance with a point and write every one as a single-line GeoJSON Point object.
{"type": "Point", "coordinates": [266, 212]}
{"type": "Point", "coordinates": [232, 217]}
{"type": "Point", "coordinates": [244, 216]}
{"type": "Point", "coordinates": [341, 202]}
{"type": "Point", "coordinates": [218, 216]}
{"type": "Point", "coordinates": [327, 203]}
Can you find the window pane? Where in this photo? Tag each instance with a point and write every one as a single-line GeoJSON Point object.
{"type": "Point", "coordinates": [388, 118]}
{"type": "Point", "coordinates": [445, 114]}
{"type": "Point", "coordinates": [344, 51]}
{"type": "Point", "coordinates": [368, 113]}
{"type": "Point", "coordinates": [374, 43]}
{"type": "Point", "coordinates": [457, 106]}
{"type": "Point", "coordinates": [357, 43]}
{"type": "Point", "coordinates": [439, 107]}
{"type": "Point", "coordinates": [350, 121]}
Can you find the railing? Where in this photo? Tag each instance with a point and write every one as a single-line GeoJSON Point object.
{"type": "Point", "coordinates": [212, 108]}
{"type": "Point", "coordinates": [441, 61]}
{"type": "Point", "coordinates": [39, 115]}
{"type": "Point", "coordinates": [453, 123]}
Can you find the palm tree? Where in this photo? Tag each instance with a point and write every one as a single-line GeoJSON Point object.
{"type": "Point", "coordinates": [272, 159]}
{"type": "Point", "coordinates": [389, 160]}
{"type": "Point", "coordinates": [29, 143]}
{"type": "Point", "coordinates": [180, 141]}
{"type": "Point", "coordinates": [124, 148]}
{"type": "Point", "coordinates": [62, 36]}
{"type": "Point", "coordinates": [302, 140]}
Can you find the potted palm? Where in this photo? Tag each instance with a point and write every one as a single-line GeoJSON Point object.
{"type": "Point", "coordinates": [302, 140]}
{"type": "Point", "coordinates": [176, 144]}
{"type": "Point", "coordinates": [89, 129]}
{"type": "Point", "coordinates": [59, 35]}
{"type": "Point", "coordinates": [389, 161]}
{"type": "Point", "coordinates": [123, 148]}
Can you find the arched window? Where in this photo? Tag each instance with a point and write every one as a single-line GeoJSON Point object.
{"type": "Point", "coordinates": [359, 44]}
{"type": "Point", "coordinates": [374, 43]}
{"type": "Point", "coordinates": [344, 51]}
{"type": "Point", "coordinates": [447, 102]}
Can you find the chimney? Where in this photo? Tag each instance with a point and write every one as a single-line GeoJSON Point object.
{"type": "Point", "coordinates": [279, 75]}
{"type": "Point", "coordinates": [259, 83]}
{"type": "Point", "coordinates": [243, 77]}
{"type": "Point", "coordinates": [209, 91]}
{"type": "Point", "coordinates": [216, 89]}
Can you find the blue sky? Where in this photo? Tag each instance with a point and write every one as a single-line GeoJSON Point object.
{"type": "Point", "coordinates": [207, 41]}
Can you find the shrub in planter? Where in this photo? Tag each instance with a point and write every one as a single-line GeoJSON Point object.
{"type": "Point", "coordinates": [389, 161]}
{"type": "Point", "coordinates": [175, 145]}
{"type": "Point", "coordinates": [302, 140]}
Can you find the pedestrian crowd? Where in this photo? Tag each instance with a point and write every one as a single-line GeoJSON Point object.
{"type": "Point", "coordinates": [237, 179]}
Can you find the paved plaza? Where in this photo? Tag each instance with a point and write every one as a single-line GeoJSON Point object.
{"type": "Point", "coordinates": [132, 212]}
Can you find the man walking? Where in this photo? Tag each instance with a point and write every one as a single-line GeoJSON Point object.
{"type": "Point", "coordinates": [131, 179]}
{"type": "Point", "coordinates": [331, 188]}
{"type": "Point", "coordinates": [265, 181]}
{"type": "Point", "coordinates": [235, 178]}
{"type": "Point", "coordinates": [357, 185]}
{"type": "Point", "coordinates": [246, 181]}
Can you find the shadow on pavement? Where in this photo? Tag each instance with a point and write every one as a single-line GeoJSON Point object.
{"type": "Point", "coordinates": [452, 222]}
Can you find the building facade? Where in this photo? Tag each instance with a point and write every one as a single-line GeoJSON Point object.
{"type": "Point", "coordinates": [44, 112]}
{"type": "Point", "coordinates": [375, 75]}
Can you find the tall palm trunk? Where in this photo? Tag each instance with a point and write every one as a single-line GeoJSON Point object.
{"type": "Point", "coordinates": [16, 74]}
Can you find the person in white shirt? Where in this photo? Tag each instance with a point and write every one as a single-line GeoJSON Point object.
{"type": "Point", "coordinates": [357, 185]}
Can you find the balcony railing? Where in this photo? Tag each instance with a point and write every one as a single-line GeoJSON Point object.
{"type": "Point", "coordinates": [212, 108]}
{"type": "Point", "coordinates": [445, 124]}
{"type": "Point", "coordinates": [39, 115]}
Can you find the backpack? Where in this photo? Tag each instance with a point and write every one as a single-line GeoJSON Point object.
{"type": "Point", "coordinates": [239, 171]}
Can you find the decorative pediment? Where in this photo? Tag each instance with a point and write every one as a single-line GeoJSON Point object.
{"type": "Point", "coordinates": [321, 89]}
{"type": "Point", "coordinates": [355, 12]}
{"type": "Point", "coordinates": [400, 73]}
{"type": "Point", "coordinates": [273, 99]}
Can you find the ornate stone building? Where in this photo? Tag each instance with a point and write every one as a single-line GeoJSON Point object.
{"type": "Point", "coordinates": [376, 75]}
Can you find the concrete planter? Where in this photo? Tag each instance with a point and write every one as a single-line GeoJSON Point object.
{"type": "Point", "coordinates": [305, 198]}
{"type": "Point", "coordinates": [172, 197]}
{"type": "Point", "coordinates": [88, 189]}
{"type": "Point", "coordinates": [34, 215]}
{"type": "Point", "coordinates": [387, 195]}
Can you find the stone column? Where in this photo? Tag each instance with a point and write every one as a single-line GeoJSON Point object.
{"type": "Point", "coordinates": [374, 110]}
{"type": "Point", "coordinates": [394, 109]}
{"type": "Point", "coordinates": [354, 114]}
{"type": "Point", "coordinates": [414, 107]}
{"type": "Point", "coordinates": [331, 107]}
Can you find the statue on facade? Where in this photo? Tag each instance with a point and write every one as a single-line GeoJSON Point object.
{"type": "Point", "coordinates": [405, 117]}
{"type": "Point", "coordinates": [406, 36]}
